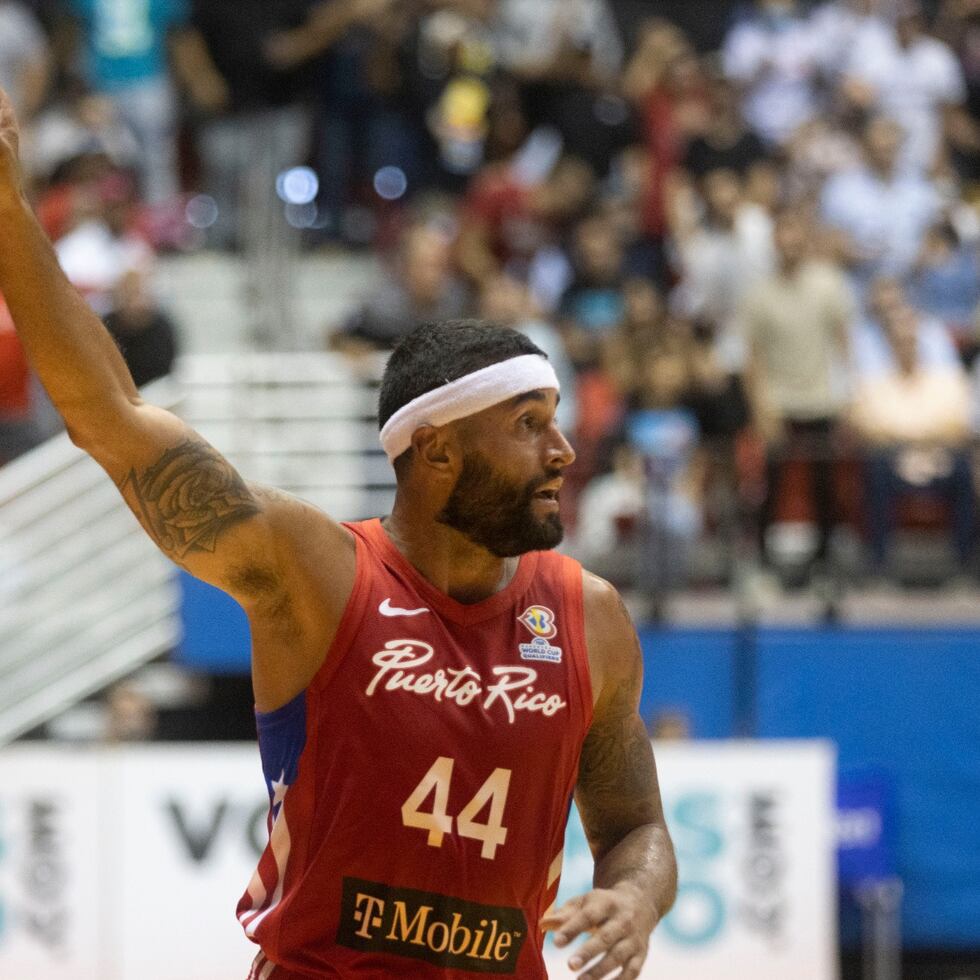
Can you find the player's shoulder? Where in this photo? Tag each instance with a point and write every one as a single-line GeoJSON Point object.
{"type": "Point", "coordinates": [610, 635]}
{"type": "Point", "coordinates": [309, 537]}
{"type": "Point", "coordinates": [599, 596]}
{"type": "Point", "coordinates": [285, 511]}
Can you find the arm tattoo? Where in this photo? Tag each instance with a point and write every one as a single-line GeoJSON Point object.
{"type": "Point", "coordinates": [188, 498]}
{"type": "Point", "coordinates": [617, 776]}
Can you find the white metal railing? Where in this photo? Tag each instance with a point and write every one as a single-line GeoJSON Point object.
{"type": "Point", "coordinates": [84, 595]}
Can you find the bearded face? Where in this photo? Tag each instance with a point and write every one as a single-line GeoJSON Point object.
{"type": "Point", "coordinates": [505, 517]}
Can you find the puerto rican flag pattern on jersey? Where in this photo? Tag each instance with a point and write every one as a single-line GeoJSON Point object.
{"type": "Point", "coordinates": [282, 738]}
{"type": "Point", "coordinates": [419, 788]}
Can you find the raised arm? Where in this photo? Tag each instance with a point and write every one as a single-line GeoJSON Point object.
{"type": "Point", "coordinates": [259, 546]}
{"type": "Point", "coordinates": [618, 798]}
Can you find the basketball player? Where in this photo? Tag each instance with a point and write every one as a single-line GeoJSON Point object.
{"type": "Point", "coordinates": [431, 689]}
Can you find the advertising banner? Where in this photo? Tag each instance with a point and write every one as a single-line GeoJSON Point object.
{"type": "Point", "coordinates": [127, 864]}
{"type": "Point", "coordinates": [753, 826]}
{"type": "Point", "coordinates": [191, 826]}
{"type": "Point", "coordinates": [52, 867]}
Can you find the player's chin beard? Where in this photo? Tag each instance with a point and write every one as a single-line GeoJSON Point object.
{"type": "Point", "coordinates": [498, 515]}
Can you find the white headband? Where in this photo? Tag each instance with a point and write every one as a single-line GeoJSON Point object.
{"type": "Point", "coordinates": [467, 395]}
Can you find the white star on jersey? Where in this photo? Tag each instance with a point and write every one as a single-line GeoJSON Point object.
{"type": "Point", "coordinates": [279, 788]}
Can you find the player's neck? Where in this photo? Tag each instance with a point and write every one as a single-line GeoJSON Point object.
{"type": "Point", "coordinates": [464, 571]}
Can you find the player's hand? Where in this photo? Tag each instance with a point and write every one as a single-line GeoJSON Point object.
{"type": "Point", "coordinates": [9, 146]}
{"type": "Point", "coordinates": [619, 921]}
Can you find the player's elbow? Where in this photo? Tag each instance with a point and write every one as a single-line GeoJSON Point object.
{"type": "Point", "coordinates": [102, 430]}
{"type": "Point", "coordinates": [87, 435]}
{"type": "Point", "coordinates": [75, 434]}
{"type": "Point", "coordinates": [669, 864]}
{"type": "Point", "coordinates": [81, 435]}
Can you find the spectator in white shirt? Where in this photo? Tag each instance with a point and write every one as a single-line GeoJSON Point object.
{"type": "Point", "coordinates": [913, 78]}
{"type": "Point", "coordinates": [872, 353]}
{"type": "Point", "coordinates": [720, 258]}
{"type": "Point", "coordinates": [535, 34]}
{"type": "Point", "coordinates": [914, 421]}
{"type": "Point", "coordinates": [610, 514]}
{"type": "Point", "coordinates": [774, 56]}
{"type": "Point", "coordinates": [796, 324]}
{"type": "Point", "coordinates": [102, 250]}
{"type": "Point", "coordinates": [879, 214]}
{"type": "Point", "coordinates": [841, 25]}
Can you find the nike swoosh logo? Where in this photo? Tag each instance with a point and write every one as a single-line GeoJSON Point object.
{"type": "Point", "coordinates": [387, 609]}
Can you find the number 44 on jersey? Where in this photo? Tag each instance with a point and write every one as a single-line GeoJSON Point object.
{"type": "Point", "coordinates": [438, 822]}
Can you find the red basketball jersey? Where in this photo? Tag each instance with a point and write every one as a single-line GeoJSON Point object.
{"type": "Point", "coordinates": [419, 788]}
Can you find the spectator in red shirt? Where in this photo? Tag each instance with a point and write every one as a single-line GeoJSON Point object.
{"type": "Point", "coordinates": [665, 81]}
{"type": "Point", "coordinates": [506, 222]}
{"type": "Point", "coordinates": [14, 388]}
{"type": "Point", "coordinates": [26, 417]}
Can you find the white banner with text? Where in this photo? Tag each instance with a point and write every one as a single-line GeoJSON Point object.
{"type": "Point", "coordinates": [753, 828]}
{"type": "Point", "coordinates": [127, 863]}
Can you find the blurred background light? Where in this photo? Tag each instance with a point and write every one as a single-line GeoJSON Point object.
{"type": "Point", "coordinates": [298, 185]}
{"type": "Point", "coordinates": [301, 215]}
{"type": "Point", "coordinates": [390, 183]}
{"type": "Point", "coordinates": [201, 211]}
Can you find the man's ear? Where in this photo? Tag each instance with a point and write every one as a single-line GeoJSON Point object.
{"type": "Point", "coordinates": [435, 448]}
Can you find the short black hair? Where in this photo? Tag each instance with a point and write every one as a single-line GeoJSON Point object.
{"type": "Point", "coordinates": [434, 354]}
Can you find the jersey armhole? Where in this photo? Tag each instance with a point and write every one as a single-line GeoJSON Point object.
{"type": "Point", "coordinates": [350, 621]}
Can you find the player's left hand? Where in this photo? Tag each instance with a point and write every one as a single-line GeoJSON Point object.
{"type": "Point", "coordinates": [619, 921]}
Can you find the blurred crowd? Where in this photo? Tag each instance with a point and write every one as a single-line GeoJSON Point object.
{"type": "Point", "coordinates": [747, 237]}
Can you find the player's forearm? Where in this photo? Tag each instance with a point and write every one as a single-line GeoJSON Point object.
{"type": "Point", "coordinates": [67, 345]}
{"type": "Point", "coordinates": [643, 859]}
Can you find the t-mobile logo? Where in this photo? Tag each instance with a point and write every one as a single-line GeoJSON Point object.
{"type": "Point", "coordinates": [368, 913]}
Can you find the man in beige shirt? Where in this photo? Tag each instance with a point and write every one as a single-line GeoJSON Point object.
{"type": "Point", "coordinates": [915, 423]}
{"type": "Point", "coordinates": [796, 325]}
